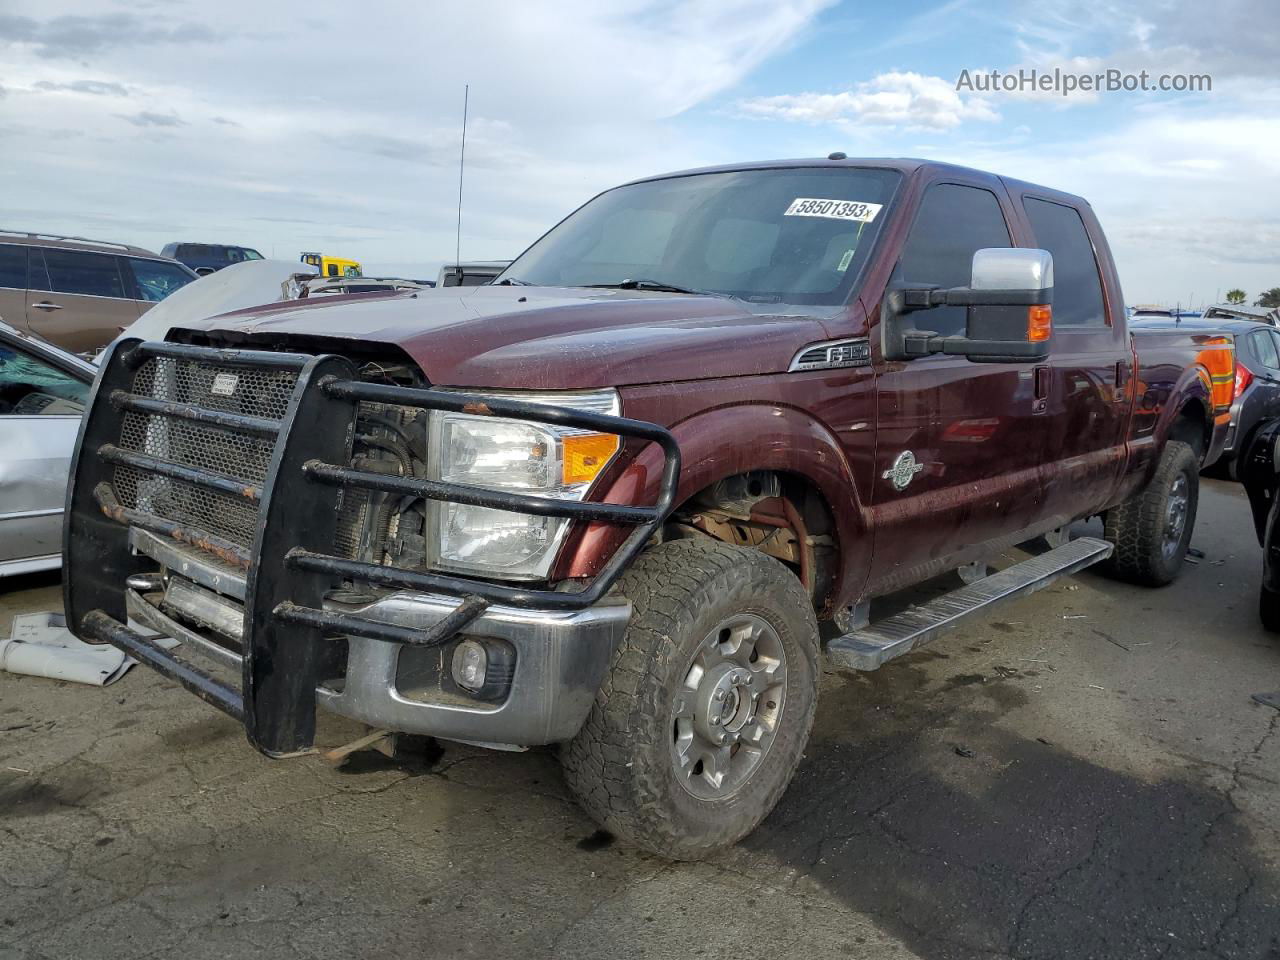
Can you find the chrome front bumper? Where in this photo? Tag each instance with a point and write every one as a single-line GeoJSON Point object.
{"type": "Point", "coordinates": [561, 659]}
{"type": "Point", "coordinates": [561, 656]}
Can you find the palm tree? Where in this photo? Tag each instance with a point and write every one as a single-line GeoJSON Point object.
{"type": "Point", "coordinates": [1235, 296]}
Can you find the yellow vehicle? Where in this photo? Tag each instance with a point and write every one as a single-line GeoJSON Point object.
{"type": "Point", "coordinates": [333, 266]}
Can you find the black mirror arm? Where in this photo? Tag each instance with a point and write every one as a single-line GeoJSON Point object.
{"type": "Point", "coordinates": [926, 343]}
{"type": "Point", "coordinates": [908, 299]}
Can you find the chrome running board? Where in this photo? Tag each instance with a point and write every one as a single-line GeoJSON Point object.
{"type": "Point", "coordinates": [874, 645]}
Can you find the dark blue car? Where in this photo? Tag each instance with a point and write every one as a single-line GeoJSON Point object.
{"type": "Point", "coordinates": [1257, 386]}
{"type": "Point", "coordinates": [205, 258]}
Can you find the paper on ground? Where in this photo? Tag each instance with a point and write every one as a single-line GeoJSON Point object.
{"type": "Point", "coordinates": [42, 646]}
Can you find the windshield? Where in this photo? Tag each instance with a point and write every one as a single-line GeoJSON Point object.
{"type": "Point", "coordinates": [793, 235]}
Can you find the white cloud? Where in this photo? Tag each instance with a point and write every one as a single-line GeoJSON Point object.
{"type": "Point", "coordinates": [897, 99]}
{"type": "Point", "coordinates": [272, 127]}
{"type": "Point", "coordinates": [1234, 41]}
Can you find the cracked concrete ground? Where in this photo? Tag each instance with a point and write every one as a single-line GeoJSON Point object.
{"type": "Point", "coordinates": [1082, 774]}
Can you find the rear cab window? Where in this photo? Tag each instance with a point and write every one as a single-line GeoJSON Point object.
{"type": "Point", "coordinates": [1077, 285]}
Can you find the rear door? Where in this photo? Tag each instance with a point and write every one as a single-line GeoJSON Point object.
{"type": "Point", "coordinates": [1087, 415]}
{"type": "Point", "coordinates": [959, 444]}
{"type": "Point", "coordinates": [41, 402]}
{"type": "Point", "coordinates": [79, 298]}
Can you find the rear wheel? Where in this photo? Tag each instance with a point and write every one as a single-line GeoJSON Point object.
{"type": "Point", "coordinates": [1269, 609]}
{"type": "Point", "coordinates": [1152, 530]}
{"type": "Point", "coordinates": [702, 720]}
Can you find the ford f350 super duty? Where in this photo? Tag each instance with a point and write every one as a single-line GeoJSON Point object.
{"type": "Point", "coordinates": [604, 502]}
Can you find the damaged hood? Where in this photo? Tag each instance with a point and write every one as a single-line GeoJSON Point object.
{"type": "Point", "coordinates": [544, 337]}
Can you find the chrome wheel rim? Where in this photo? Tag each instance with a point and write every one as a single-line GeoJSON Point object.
{"type": "Point", "coordinates": [727, 706]}
{"type": "Point", "coordinates": [1175, 521]}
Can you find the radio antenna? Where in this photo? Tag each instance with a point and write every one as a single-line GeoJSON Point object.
{"type": "Point", "coordinates": [462, 162]}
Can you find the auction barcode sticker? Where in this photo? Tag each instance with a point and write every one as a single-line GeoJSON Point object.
{"type": "Point", "coordinates": [833, 209]}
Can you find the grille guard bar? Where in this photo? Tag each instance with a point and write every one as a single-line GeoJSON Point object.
{"type": "Point", "coordinates": [286, 650]}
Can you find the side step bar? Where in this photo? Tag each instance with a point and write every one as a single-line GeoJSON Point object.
{"type": "Point", "coordinates": [877, 644]}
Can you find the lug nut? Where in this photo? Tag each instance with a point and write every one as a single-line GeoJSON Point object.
{"type": "Point", "coordinates": [719, 694]}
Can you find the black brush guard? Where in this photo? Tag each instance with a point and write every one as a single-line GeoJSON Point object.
{"type": "Point", "coordinates": [286, 652]}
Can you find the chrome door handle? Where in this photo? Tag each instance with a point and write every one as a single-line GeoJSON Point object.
{"type": "Point", "coordinates": [46, 305]}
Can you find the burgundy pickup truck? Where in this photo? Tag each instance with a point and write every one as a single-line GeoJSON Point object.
{"type": "Point", "coordinates": [605, 502]}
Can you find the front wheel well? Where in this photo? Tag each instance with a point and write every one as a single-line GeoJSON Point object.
{"type": "Point", "coordinates": [780, 514]}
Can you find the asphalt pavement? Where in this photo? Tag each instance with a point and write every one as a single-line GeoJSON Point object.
{"type": "Point", "coordinates": [1081, 774]}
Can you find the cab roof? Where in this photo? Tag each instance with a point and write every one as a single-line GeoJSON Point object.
{"type": "Point", "coordinates": [907, 166]}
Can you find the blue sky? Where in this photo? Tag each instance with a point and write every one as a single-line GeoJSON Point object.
{"type": "Point", "coordinates": [284, 127]}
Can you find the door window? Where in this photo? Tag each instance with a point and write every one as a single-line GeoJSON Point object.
{"type": "Point", "coordinates": [13, 266]}
{"type": "Point", "coordinates": [1264, 348]}
{"type": "Point", "coordinates": [156, 279]}
{"type": "Point", "coordinates": [30, 386]}
{"type": "Point", "coordinates": [1077, 288]}
{"type": "Point", "coordinates": [88, 274]}
{"type": "Point", "coordinates": [37, 275]}
{"type": "Point", "coordinates": [953, 223]}
{"type": "Point", "coordinates": [1275, 338]}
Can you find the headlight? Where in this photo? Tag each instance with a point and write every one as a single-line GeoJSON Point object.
{"type": "Point", "coordinates": [521, 457]}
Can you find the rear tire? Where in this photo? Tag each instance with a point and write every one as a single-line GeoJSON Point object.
{"type": "Point", "coordinates": [1151, 531]}
{"type": "Point", "coordinates": [722, 643]}
{"type": "Point", "coordinates": [1269, 610]}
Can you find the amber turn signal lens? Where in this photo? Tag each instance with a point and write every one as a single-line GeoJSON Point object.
{"type": "Point", "coordinates": [1039, 322]}
{"type": "Point", "coordinates": [586, 454]}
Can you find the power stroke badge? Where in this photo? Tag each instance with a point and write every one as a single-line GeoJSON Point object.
{"type": "Point", "coordinates": [903, 471]}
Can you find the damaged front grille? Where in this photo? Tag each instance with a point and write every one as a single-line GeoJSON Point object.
{"type": "Point", "coordinates": [385, 441]}
{"type": "Point", "coordinates": [259, 393]}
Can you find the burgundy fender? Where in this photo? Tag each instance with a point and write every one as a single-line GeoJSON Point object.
{"type": "Point", "coordinates": [1163, 403]}
{"type": "Point", "coordinates": [783, 439]}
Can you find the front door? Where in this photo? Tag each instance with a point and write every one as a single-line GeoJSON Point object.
{"type": "Point", "coordinates": [959, 444]}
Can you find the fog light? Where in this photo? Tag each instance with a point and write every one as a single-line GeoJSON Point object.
{"type": "Point", "coordinates": [470, 663]}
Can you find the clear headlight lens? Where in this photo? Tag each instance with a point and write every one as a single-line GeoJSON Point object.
{"type": "Point", "coordinates": [521, 457]}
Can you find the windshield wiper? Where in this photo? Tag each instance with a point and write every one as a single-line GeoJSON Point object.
{"type": "Point", "coordinates": [514, 282]}
{"type": "Point", "coordinates": [660, 286]}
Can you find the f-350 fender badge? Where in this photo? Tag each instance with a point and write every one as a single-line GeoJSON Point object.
{"type": "Point", "coordinates": [903, 471]}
